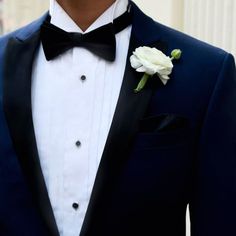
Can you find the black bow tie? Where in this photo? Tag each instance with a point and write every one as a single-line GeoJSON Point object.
{"type": "Point", "coordinates": [101, 41]}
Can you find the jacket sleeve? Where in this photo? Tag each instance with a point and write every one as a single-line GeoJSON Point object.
{"type": "Point", "coordinates": [213, 198]}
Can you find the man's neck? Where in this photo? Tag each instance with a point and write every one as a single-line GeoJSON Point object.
{"type": "Point", "coordinates": [85, 12]}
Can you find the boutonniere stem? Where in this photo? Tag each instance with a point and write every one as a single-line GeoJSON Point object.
{"type": "Point", "coordinates": [151, 61]}
{"type": "Point", "coordinates": [142, 83]}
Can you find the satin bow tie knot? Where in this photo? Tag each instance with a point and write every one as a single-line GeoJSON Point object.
{"type": "Point", "coordinates": [101, 41]}
{"type": "Point", "coordinates": [76, 39]}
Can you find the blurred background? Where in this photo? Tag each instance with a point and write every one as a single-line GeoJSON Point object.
{"type": "Point", "coordinates": [213, 21]}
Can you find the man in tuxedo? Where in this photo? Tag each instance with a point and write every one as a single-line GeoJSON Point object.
{"type": "Point", "coordinates": [82, 154]}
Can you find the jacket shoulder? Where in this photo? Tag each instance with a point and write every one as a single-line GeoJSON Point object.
{"type": "Point", "coordinates": [175, 38]}
{"type": "Point", "coordinates": [201, 64]}
{"type": "Point", "coordinates": [23, 32]}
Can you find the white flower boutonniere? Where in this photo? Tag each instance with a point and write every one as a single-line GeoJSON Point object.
{"type": "Point", "coordinates": [151, 61]}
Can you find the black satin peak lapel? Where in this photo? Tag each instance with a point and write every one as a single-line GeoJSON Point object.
{"type": "Point", "coordinates": [18, 62]}
{"type": "Point", "coordinates": [130, 108]}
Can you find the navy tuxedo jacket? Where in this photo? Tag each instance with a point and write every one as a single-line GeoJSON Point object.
{"type": "Point", "coordinates": [168, 146]}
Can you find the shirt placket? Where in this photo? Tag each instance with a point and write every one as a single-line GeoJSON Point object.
{"type": "Point", "coordinates": [76, 165]}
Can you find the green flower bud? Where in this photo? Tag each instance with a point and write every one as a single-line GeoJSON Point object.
{"type": "Point", "coordinates": [176, 54]}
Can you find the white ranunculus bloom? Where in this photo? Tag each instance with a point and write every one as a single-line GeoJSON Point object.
{"type": "Point", "coordinates": [152, 61]}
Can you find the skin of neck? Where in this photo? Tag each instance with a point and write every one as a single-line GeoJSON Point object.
{"type": "Point", "coordinates": [85, 12]}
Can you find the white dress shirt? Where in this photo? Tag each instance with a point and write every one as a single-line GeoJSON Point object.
{"type": "Point", "coordinates": [73, 100]}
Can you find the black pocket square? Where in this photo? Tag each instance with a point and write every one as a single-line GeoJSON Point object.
{"type": "Point", "coordinates": [163, 123]}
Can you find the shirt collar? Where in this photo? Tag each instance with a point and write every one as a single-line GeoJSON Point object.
{"type": "Point", "coordinates": [62, 20]}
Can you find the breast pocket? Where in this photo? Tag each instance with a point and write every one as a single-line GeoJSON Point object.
{"type": "Point", "coordinates": [162, 140]}
{"type": "Point", "coordinates": [162, 131]}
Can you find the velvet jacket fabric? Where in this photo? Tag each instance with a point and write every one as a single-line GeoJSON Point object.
{"type": "Point", "coordinates": [168, 146]}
